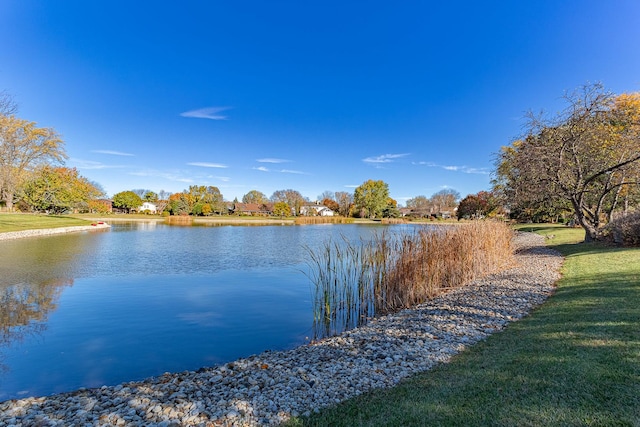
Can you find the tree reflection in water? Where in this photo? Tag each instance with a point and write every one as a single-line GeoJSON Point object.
{"type": "Point", "coordinates": [33, 274]}
{"type": "Point", "coordinates": [24, 309]}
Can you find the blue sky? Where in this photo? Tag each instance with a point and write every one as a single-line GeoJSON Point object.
{"type": "Point", "coordinates": [308, 95]}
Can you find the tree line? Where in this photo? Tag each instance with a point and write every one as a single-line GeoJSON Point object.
{"type": "Point", "coordinates": [370, 200]}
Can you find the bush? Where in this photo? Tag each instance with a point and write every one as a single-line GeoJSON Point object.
{"type": "Point", "coordinates": [624, 230]}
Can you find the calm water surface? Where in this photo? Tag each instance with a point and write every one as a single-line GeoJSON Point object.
{"type": "Point", "coordinates": [141, 299]}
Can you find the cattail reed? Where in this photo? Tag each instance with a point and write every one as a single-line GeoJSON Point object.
{"type": "Point", "coordinates": [355, 281]}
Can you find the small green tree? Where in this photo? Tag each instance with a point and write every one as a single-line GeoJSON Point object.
{"type": "Point", "coordinates": [150, 196]}
{"type": "Point", "coordinates": [391, 210]}
{"type": "Point", "coordinates": [127, 200]}
{"type": "Point", "coordinates": [371, 198]}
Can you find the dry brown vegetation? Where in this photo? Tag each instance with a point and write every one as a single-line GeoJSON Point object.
{"type": "Point", "coordinates": [357, 280]}
{"type": "Point", "coordinates": [302, 220]}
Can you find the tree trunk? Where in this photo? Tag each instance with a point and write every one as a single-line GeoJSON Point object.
{"type": "Point", "coordinates": [9, 200]}
{"type": "Point", "coordinates": [590, 230]}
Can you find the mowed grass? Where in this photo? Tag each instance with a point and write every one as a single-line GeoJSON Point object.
{"type": "Point", "coordinates": [19, 222]}
{"type": "Point", "coordinates": [575, 361]}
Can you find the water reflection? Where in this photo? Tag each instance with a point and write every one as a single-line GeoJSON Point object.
{"type": "Point", "coordinates": [33, 273]}
{"type": "Point", "coordinates": [84, 310]}
{"type": "Point", "coordinates": [24, 309]}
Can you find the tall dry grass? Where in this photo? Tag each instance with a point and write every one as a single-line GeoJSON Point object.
{"type": "Point", "coordinates": [303, 220]}
{"type": "Point", "coordinates": [184, 220]}
{"type": "Point", "coordinates": [357, 280]}
{"type": "Point", "coordinates": [393, 221]}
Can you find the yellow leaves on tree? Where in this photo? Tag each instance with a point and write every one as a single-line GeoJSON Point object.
{"type": "Point", "coordinates": [24, 147]}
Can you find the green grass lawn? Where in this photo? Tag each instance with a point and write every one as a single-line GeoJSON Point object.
{"type": "Point", "coordinates": [19, 222]}
{"type": "Point", "coordinates": [575, 361]}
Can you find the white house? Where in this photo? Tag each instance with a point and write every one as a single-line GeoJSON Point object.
{"type": "Point", "coordinates": [315, 210]}
{"type": "Point", "coordinates": [148, 206]}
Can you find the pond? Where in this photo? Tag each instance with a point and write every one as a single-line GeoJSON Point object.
{"type": "Point", "coordinates": [144, 298]}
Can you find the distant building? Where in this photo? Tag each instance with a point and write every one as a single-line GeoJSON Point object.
{"type": "Point", "coordinates": [253, 209]}
{"type": "Point", "coordinates": [405, 211]}
{"type": "Point", "coordinates": [316, 210]}
{"type": "Point", "coordinates": [148, 207]}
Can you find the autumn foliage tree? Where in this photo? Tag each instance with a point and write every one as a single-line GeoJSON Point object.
{"type": "Point", "coordinates": [586, 158]}
{"type": "Point", "coordinates": [281, 209]}
{"type": "Point", "coordinates": [331, 204]}
{"type": "Point", "coordinates": [57, 190]}
{"type": "Point", "coordinates": [205, 199]}
{"type": "Point", "coordinates": [23, 148]}
{"type": "Point", "coordinates": [482, 204]}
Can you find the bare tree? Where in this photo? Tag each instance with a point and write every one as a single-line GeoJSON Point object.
{"type": "Point", "coordinates": [255, 196]}
{"type": "Point", "coordinates": [345, 202]}
{"type": "Point", "coordinates": [8, 107]}
{"type": "Point", "coordinates": [420, 206]}
{"type": "Point", "coordinates": [327, 195]}
{"type": "Point", "coordinates": [445, 200]}
{"type": "Point", "coordinates": [293, 198]}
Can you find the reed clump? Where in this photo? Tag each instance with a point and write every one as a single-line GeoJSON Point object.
{"type": "Point", "coordinates": [183, 220]}
{"type": "Point", "coordinates": [304, 220]}
{"type": "Point", "coordinates": [358, 280]}
{"type": "Point", "coordinates": [393, 221]}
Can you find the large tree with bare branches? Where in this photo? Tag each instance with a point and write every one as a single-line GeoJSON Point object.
{"type": "Point", "coordinates": [23, 147]}
{"type": "Point", "coordinates": [8, 106]}
{"type": "Point", "coordinates": [586, 157]}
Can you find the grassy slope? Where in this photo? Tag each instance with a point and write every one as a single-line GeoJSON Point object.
{"type": "Point", "coordinates": [574, 361]}
{"type": "Point", "coordinates": [19, 222]}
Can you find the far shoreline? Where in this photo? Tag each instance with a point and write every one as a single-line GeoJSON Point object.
{"type": "Point", "coordinates": [103, 221]}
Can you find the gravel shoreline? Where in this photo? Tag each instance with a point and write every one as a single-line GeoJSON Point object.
{"type": "Point", "coordinates": [269, 388]}
{"type": "Point", "coordinates": [9, 235]}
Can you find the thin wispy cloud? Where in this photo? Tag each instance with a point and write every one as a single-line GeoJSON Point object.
{"type": "Point", "coordinates": [211, 113]}
{"type": "Point", "coordinates": [384, 158]}
{"type": "Point", "coordinates": [271, 160]}
{"type": "Point", "coordinates": [289, 171]}
{"type": "Point", "coordinates": [208, 165]}
{"type": "Point", "coordinates": [455, 168]}
{"type": "Point", "coordinates": [221, 178]}
{"type": "Point", "coordinates": [351, 186]}
{"type": "Point", "coordinates": [111, 152]}
{"type": "Point", "coordinates": [89, 164]}
{"type": "Point", "coordinates": [168, 176]}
